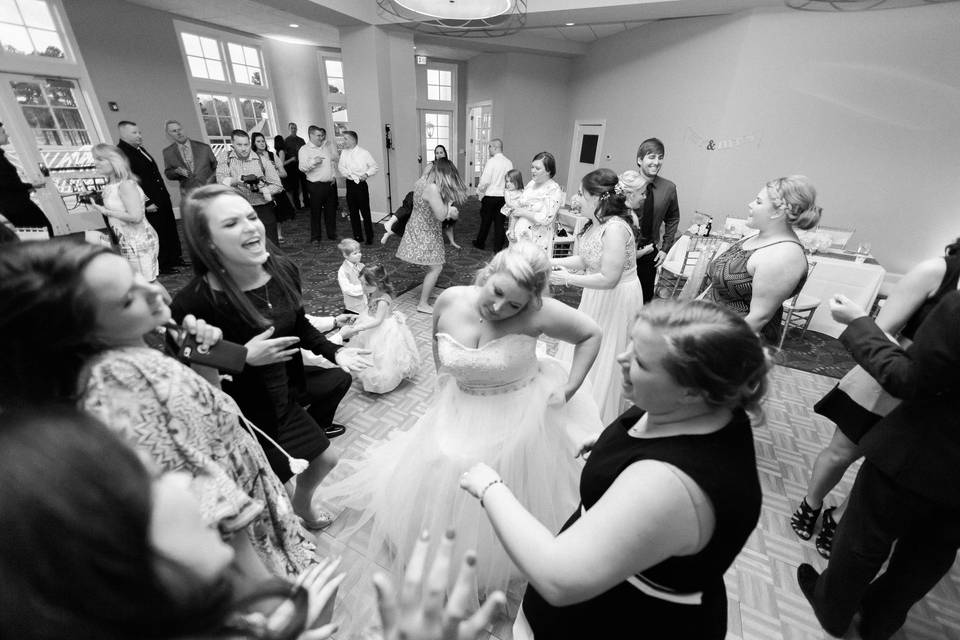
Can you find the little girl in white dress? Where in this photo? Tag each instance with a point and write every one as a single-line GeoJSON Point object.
{"type": "Point", "coordinates": [512, 190]}
{"type": "Point", "coordinates": [384, 331]}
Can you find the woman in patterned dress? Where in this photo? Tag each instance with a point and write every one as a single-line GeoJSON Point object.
{"type": "Point", "coordinates": [539, 203]}
{"type": "Point", "coordinates": [73, 318]}
{"type": "Point", "coordinates": [123, 207]}
{"type": "Point", "coordinates": [435, 196]}
{"type": "Point", "coordinates": [611, 291]}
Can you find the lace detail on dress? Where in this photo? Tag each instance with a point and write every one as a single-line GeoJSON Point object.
{"type": "Point", "coordinates": [591, 247]}
{"type": "Point", "coordinates": [504, 364]}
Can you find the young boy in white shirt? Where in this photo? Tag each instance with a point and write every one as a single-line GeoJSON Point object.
{"type": "Point", "coordinates": [348, 276]}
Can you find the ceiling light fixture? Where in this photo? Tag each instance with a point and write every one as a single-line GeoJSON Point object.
{"type": "Point", "coordinates": [294, 25]}
{"type": "Point", "coordinates": [857, 5]}
{"type": "Point", "coordinates": [569, 24]}
{"type": "Point", "coordinates": [458, 18]}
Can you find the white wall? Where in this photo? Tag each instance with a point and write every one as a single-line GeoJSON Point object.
{"type": "Point", "coordinates": [293, 71]}
{"type": "Point", "coordinates": [866, 104]}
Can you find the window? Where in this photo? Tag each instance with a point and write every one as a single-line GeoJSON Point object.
{"type": "Point", "coordinates": [436, 131]}
{"type": "Point", "coordinates": [51, 108]}
{"type": "Point", "coordinates": [27, 28]}
{"type": "Point", "coordinates": [217, 121]}
{"type": "Point", "coordinates": [334, 70]}
{"type": "Point", "coordinates": [439, 85]}
{"type": "Point", "coordinates": [341, 122]}
{"type": "Point", "coordinates": [203, 57]}
{"type": "Point", "coordinates": [247, 68]}
{"type": "Point", "coordinates": [254, 116]}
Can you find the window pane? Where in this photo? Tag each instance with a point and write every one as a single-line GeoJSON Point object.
{"type": "Point", "coordinates": [240, 74]}
{"type": "Point", "coordinates": [443, 119]}
{"type": "Point", "coordinates": [213, 129]}
{"type": "Point", "coordinates": [246, 108]}
{"type": "Point", "coordinates": [338, 113]}
{"type": "Point", "coordinates": [256, 79]}
{"type": "Point", "coordinates": [37, 14]}
{"type": "Point", "coordinates": [210, 49]}
{"type": "Point", "coordinates": [28, 93]}
{"type": "Point", "coordinates": [335, 85]}
{"type": "Point", "coordinates": [445, 94]}
{"type": "Point", "coordinates": [252, 56]}
{"type": "Point", "coordinates": [69, 118]}
{"type": "Point", "coordinates": [433, 92]}
{"type": "Point", "coordinates": [60, 94]}
{"type": "Point", "coordinates": [236, 55]}
{"type": "Point", "coordinates": [433, 76]}
{"type": "Point", "coordinates": [15, 39]}
{"type": "Point", "coordinates": [198, 68]}
{"type": "Point", "coordinates": [221, 106]}
{"type": "Point", "coordinates": [431, 118]}
{"type": "Point", "coordinates": [191, 44]}
{"type": "Point", "coordinates": [226, 125]}
{"type": "Point", "coordinates": [39, 117]}
{"type": "Point", "coordinates": [9, 12]}
{"type": "Point", "coordinates": [215, 70]}
{"type": "Point", "coordinates": [334, 68]}
{"type": "Point", "coordinates": [445, 78]}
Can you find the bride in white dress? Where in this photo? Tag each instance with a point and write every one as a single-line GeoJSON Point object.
{"type": "Point", "coordinates": [494, 400]}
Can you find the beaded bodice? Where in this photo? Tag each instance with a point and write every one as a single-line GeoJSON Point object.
{"type": "Point", "coordinates": [501, 365]}
{"type": "Point", "coordinates": [591, 247]}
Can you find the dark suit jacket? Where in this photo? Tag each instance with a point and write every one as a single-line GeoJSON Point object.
{"type": "Point", "coordinates": [149, 173]}
{"type": "Point", "coordinates": [204, 166]}
{"type": "Point", "coordinates": [917, 444]}
{"type": "Point", "coordinates": [666, 212]}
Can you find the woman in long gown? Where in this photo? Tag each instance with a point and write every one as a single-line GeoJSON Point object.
{"type": "Point", "coordinates": [494, 400]}
{"type": "Point", "coordinates": [611, 291]}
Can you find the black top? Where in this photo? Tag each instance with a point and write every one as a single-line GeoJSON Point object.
{"type": "Point", "coordinates": [145, 167]}
{"type": "Point", "coordinates": [268, 395]}
{"type": "Point", "coordinates": [723, 465]}
{"type": "Point", "coordinates": [917, 444]}
{"type": "Point", "coordinates": [948, 284]}
{"type": "Point", "coordinates": [15, 202]}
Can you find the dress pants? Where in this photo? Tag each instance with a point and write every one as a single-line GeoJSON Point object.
{"type": "Point", "coordinates": [323, 206]}
{"type": "Point", "coordinates": [358, 201]}
{"type": "Point", "coordinates": [647, 274]}
{"type": "Point", "coordinates": [325, 388]}
{"type": "Point", "coordinates": [268, 216]}
{"type": "Point", "coordinates": [490, 216]}
{"type": "Point", "coordinates": [165, 224]}
{"type": "Point", "coordinates": [881, 512]}
{"type": "Point", "coordinates": [303, 182]}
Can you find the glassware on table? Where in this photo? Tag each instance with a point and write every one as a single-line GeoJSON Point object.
{"type": "Point", "coordinates": [863, 251]}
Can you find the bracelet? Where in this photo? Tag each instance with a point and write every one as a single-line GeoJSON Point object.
{"type": "Point", "coordinates": [336, 323]}
{"type": "Point", "coordinates": [483, 491]}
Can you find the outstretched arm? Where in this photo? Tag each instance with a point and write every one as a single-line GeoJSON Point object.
{"type": "Point", "coordinates": [612, 259]}
{"type": "Point", "coordinates": [563, 322]}
{"type": "Point", "coordinates": [383, 310]}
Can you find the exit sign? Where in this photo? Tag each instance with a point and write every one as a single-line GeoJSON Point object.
{"type": "Point", "coordinates": [421, 59]}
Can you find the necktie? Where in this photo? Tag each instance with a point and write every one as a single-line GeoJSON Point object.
{"type": "Point", "coordinates": [646, 219]}
{"type": "Point", "coordinates": [187, 154]}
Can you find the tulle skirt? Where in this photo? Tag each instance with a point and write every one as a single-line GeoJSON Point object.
{"type": "Point", "coordinates": [613, 309]}
{"type": "Point", "coordinates": [410, 482]}
{"type": "Point", "coordinates": [395, 354]}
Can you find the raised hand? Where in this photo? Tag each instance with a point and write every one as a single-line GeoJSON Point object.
{"type": "Point", "coordinates": [262, 349]}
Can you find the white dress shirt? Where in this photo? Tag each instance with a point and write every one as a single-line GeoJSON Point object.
{"type": "Point", "coordinates": [494, 173]}
{"type": "Point", "coordinates": [357, 163]}
{"type": "Point", "coordinates": [322, 172]}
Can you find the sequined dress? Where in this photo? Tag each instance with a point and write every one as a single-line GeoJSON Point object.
{"type": "Point", "coordinates": [422, 241]}
{"type": "Point", "coordinates": [499, 404]}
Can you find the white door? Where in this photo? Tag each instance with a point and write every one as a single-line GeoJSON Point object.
{"type": "Point", "coordinates": [479, 122]}
{"type": "Point", "coordinates": [585, 155]}
{"type": "Point", "coordinates": [435, 129]}
{"type": "Point", "coordinates": [50, 126]}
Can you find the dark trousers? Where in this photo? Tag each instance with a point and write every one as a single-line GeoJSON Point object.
{"type": "Point", "coordinates": [358, 201]}
{"type": "Point", "coordinates": [490, 216]}
{"type": "Point", "coordinates": [292, 184]}
{"type": "Point", "coordinates": [647, 274]}
{"type": "Point", "coordinates": [268, 216]}
{"type": "Point", "coordinates": [323, 206]}
{"type": "Point", "coordinates": [303, 182]}
{"type": "Point", "coordinates": [165, 224]}
{"type": "Point", "coordinates": [325, 389]}
{"type": "Point", "coordinates": [881, 512]}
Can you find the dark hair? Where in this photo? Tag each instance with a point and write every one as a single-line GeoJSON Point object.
{"type": "Point", "coordinates": [710, 349]}
{"type": "Point", "coordinates": [196, 229]}
{"type": "Point", "coordinates": [549, 162]}
{"type": "Point", "coordinates": [444, 174]}
{"type": "Point", "coordinates": [375, 275]}
{"type": "Point", "coordinates": [126, 123]}
{"type": "Point", "coordinates": [77, 559]}
{"type": "Point", "coordinates": [278, 144]}
{"type": "Point", "coordinates": [953, 248]}
{"type": "Point", "coordinates": [239, 133]}
{"type": "Point", "coordinates": [650, 145]}
{"type": "Point", "coordinates": [613, 201]}
{"type": "Point", "coordinates": [445, 154]}
{"type": "Point", "coordinates": [47, 319]}
{"type": "Point", "coordinates": [253, 144]}
{"type": "Point", "coordinates": [515, 178]}
{"type": "Point", "coordinates": [352, 134]}
{"type": "Point", "coordinates": [312, 129]}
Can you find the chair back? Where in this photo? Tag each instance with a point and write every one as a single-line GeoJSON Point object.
{"type": "Point", "coordinates": [734, 228]}
{"type": "Point", "coordinates": [811, 265]}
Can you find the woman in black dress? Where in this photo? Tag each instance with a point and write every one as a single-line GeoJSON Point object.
{"type": "Point", "coordinates": [669, 494]}
{"type": "Point", "coordinates": [254, 297]}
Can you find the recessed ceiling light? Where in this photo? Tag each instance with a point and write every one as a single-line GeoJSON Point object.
{"type": "Point", "coordinates": [569, 24]}
{"type": "Point", "coordinates": [294, 25]}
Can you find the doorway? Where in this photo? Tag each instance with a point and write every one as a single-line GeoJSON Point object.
{"type": "Point", "coordinates": [585, 155]}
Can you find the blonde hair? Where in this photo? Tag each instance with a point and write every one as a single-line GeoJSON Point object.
{"type": "Point", "coordinates": [523, 261]}
{"type": "Point", "coordinates": [348, 246]}
{"type": "Point", "coordinates": [118, 161]}
{"type": "Point", "coordinates": [797, 198]}
{"type": "Point", "coordinates": [632, 180]}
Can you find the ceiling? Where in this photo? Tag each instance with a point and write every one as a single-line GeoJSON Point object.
{"type": "Point", "coordinates": [546, 30]}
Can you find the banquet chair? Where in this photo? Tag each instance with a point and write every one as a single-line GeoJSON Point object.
{"type": "Point", "coordinates": [672, 276]}
{"type": "Point", "coordinates": [799, 311]}
{"type": "Point", "coordinates": [566, 237]}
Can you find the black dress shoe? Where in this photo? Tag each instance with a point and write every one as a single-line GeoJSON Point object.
{"type": "Point", "coordinates": [335, 430]}
{"type": "Point", "coordinates": [169, 271]}
{"type": "Point", "coordinates": [807, 578]}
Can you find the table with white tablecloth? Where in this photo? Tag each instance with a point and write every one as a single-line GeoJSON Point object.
{"type": "Point", "coordinates": [834, 273]}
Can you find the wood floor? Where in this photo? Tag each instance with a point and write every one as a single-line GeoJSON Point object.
{"type": "Point", "coordinates": [765, 602]}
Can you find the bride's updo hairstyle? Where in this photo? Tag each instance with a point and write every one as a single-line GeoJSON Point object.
{"type": "Point", "coordinates": [605, 184]}
{"type": "Point", "coordinates": [710, 349]}
{"type": "Point", "coordinates": [526, 263]}
{"type": "Point", "coordinates": [797, 198]}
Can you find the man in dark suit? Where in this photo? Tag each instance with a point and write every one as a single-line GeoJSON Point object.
{"type": "Point", "coordinates": [15, 202]}
{"type": "Point", "coordinates": [660, 208]}
{"type": "Point", "coordinates": [906, 490]}
{"type": "Point", "coordinates": [159, 209]}
{"type": "Point", "coordinates": [293, 142]}
{"type": "Point", "coordinates": [187, 161]}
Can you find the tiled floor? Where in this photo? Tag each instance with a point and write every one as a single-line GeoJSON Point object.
{"type": "Point", "coordinates": [765, 602]}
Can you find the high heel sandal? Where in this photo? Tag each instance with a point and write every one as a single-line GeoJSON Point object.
{"type": "Point", "coordinates": [804, 520]}
{"type": "Point", "coordinates": [824, 541]}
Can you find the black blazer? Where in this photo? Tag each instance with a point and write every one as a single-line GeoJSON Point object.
{"type": "Point", "coordinates": [917, 444]}
{"type": "Point", "coordinates": [149, 173]}
{"type": "Point", "coordinates": [666, 212]}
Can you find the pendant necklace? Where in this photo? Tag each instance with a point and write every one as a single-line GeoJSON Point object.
{"type": "Point", "coordinates": [266, 289]}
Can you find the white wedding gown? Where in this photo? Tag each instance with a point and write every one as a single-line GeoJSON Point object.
{"type": "Point", "coordinates": [500, 404]}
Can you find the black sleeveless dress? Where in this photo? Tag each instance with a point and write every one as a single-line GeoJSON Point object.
{"type": "Point", "coordinates": [854, 420]}
{"type": "Point", "coordinates": [662, 602]}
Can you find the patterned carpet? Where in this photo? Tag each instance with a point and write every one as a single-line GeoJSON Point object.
{"type": "Point", "coordinates": [318, 264]}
